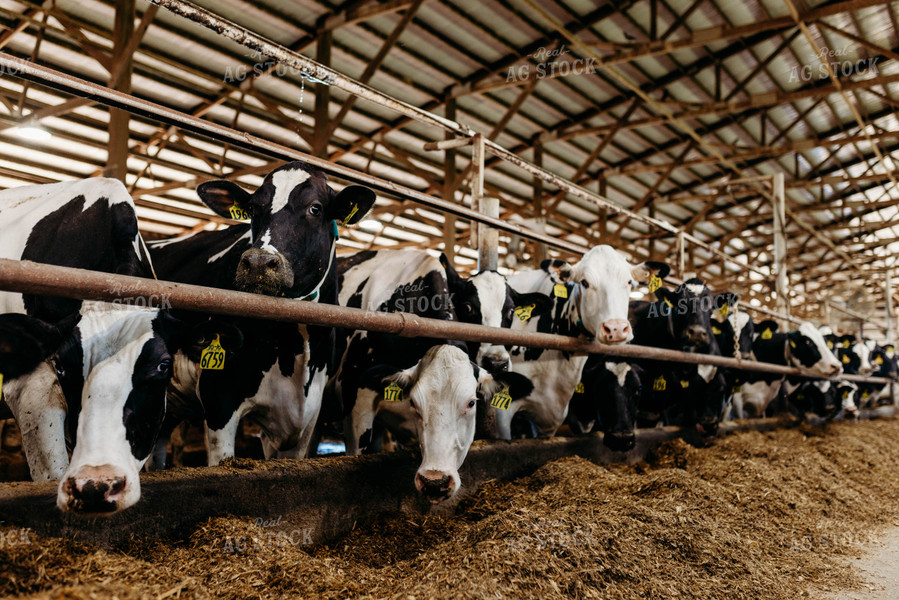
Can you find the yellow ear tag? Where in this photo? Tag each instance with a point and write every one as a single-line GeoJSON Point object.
{"type": "Point", "coordinates": [878, 360]}
{"type": "Point", "coordinates": [1, 385]}
{"type": "Point", "coordinates": [659, 384]}
{"type": "Point", "coordinates": [865, 395]}
{"type": "Point", "coordinates": [736, 389]}
{"type": "Point", "coordinates": [724, 310]}
{"type": "Point", "coordinates": [560, 291]}
{"type": "Point", "coordinates": [846, 395]}
{"type": "Point", "coordinates": [655, 282]}
{"type": "Point", "coordinates": [890, 352]}
{"type": "Point", "coordinates": [829, 345]}
{"type": "Point", "coordinates": [580, 388]}
{"type": "Point", "coordinates": [501, 399]}
{"type": "Point", "coordinates": [524, 312]}
{"type": "Point", "coordinates": [845, 359]}
{"type": "Point", "coordinates": [238, 214]}
{"type": "Point", "coordinates": [668, 302]}
{"type": "Point", "coordinates": [350, 216]}
{"type": "Point", "coordinates": [393, 392]}
{"type": "Point", "coordinates": [845, 344]}
{"type": "Point", "coordinates": [767, 334]}
{"type": "Point", "coordinates": [213, 357]}
{"type": "Point", "coordinates": [684, 383]}
{"type": "Point", "coordinates": [716, 330]}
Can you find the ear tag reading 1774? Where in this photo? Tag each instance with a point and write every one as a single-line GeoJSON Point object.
{"type": "Point", "coordinates": [655, 282]}
{"type": "Point", "coordinates": [580, 388]}
{"type": "Point", "coordinates": [213, 357]}
{"type": "Point", "coordinates": [767, 334]}
{"type": "Point", "coordinates": [524, 312]}
{"type": "Point", "coordinates": [350, 216]}
{"type": "Point", "coordinates": [393, 392]}
{"type": "Point", "coordinates": [238, 214]}
{"type": "Point", "coordinates": [560, 291]}
{"type": "Point", "coordinates": [501, 400]}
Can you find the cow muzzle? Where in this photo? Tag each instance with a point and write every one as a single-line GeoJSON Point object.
{"type": "Point", "coordinates": [696, 335]}
{"type": "Point", "coordinates": [615, 331]}
{"type": "Point", "coordinates": [263, 272]}
{"type": "Point", "coordinates": [436, 486]}
{"type": "Point", "coordinates": [620, 441]}
{"type": "Point", "coordinates": [93, 490]}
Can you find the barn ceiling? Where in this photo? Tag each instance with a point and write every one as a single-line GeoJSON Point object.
{"type": "Point", "coordinates": [678, 109]}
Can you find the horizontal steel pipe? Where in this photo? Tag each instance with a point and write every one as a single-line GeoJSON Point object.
{"type": "Point", "coordinates": [104, 95]}
{"type": "Point", "coordinates": [36, 278]}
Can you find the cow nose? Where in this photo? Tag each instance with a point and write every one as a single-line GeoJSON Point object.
{"type": "Point", "coordinates": [697, 334]}
{"type": "Point", "coordinates": [435, 485]}
{"type": "Point", "coordinates": [620, 441]}
{"type": "Point", "coordinates": [258, 261]}
{"type": "Point", "coordinates": [615, 331]}
{"type": "Point", "coordinates": [93, 490]}
{"type": "Point", "coordinates": [836, 369]}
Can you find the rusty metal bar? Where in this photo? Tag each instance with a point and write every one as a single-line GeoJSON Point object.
{"type": "Point", "coordinates": [104, 95]}
{"type": "Point", "coordinates": [36, 278]}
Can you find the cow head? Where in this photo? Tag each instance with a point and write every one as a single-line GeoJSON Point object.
{"type": "Point", "coordinates": [884, 361]}
{"type": "Point", "coordinates": [689, 309]}
{"type": "Point", "coordinates": [486, 299]}
{"type": "Point", "coordinates": [727, 320]}
{"type": "Point", "coordinates": [293, 217]}
{"type": "Point", "coordinates": [113, 370]}
{"type": "Point", "coordinates": [620, 389]}
{"type": "Point", "coordinates": [600, 285]}
{"type": "Point", "coordinates": [808, 349]}
{"type": "Point", "coordinates": [443, 390]}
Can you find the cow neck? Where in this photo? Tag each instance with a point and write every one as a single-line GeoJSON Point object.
{"type": "Point", "coordinates": [575, 299]}
{"type": "Point", "coordinates": [314, 295]}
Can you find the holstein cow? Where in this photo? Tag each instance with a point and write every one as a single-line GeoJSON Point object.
{"type": "Point", "coordinates": [606, 400]}
{"type": "Point", "coordinates": [420, 389]}
{"type": "Point", "coordinates": [803, 347]}
{"type": "Point", "coordinates": [112, 367]}
{"type": "Point", "coordinates": [733, 330]}
{"type": "Point", "coordinates": [884, 363]}
{"type": "Point", "coordinates": [590, 299]}
{"type": "Point", "coordinates": [681, 320]}
{"type": "Point", "coordinates": [274, 373]}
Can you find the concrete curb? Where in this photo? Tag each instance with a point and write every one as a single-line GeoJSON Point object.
{"type": "Point", "coordinates": [318, 498]}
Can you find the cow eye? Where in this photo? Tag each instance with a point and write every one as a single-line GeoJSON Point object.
{"type": "Point", "coordinates": [315, 210]}
{"type": "Point", "coordinates": [467, 309]}
{"type": "Point", "coordinates": [163, 367]}
{"type": "Point", "coordinates": [60, 370]}
{"type": "Point", "coordinates": [584, 283]}
{"type": "Point", "coordinates": [471, 403]}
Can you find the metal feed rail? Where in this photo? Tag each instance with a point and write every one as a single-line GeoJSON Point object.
{"type": "Point", "coordinates": [37, 278]}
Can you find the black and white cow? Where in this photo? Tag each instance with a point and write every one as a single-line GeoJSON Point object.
{"type": "Point", "coordinates": [274, 373]}
{"type": "Point", "coordinates": [727, 320]}
{"type": "Point", "coordinates": [884, 363]}
{"type": "Point", "coordinates": [589, 298]}
{"type": "Point", "coordinates": [107, 396]}
{"type": "Point", "coordinates": [420, 389]}
{"type": "Point", "coordinates": [680, 393]}
{"type": "Point", "coordinates": [803, 347]}
{"type": "Point", "coordinates": [606, 400]}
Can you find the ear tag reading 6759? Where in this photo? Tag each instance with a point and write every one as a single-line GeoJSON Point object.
{"type": "Point", "coordinates": [501, 400]}
{"type": "Point", "coordinates": [560, 291]}
{"type": "Point", "coordinates": [524, 312]}
{"type": "Point", "coordinates": [213, 357]}
{"type": "Point", "coordinates": [393, 392]}
{"type": "Point", "coordinates": [238, 214]}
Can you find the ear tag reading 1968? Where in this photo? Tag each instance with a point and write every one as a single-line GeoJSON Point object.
{"type": "Point", "coordinates": [350, 216]}
{"type": "Point", "coordinates": [524, 312]}
{"type": "Point", "coordinates": [659, 384]}
{"type": "Point", "coordinates": [213, 357]}
{"type": "Point", "coordinates": [580, 388]}
{"type": "Point", "coordinates": [393, 392]}
{"type": "Point", "coordinates": [767, 334]}
{"type": "Point", "coordinates": [560, 291]}
{"type": "Point", "coordinates": [238, 214]}
{"type": "Point", "coordinates": [655, 282]}
{"type": "Point", "coordinates": [501, 399]}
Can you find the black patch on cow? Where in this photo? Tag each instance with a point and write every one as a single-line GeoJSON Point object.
{"type": "Point", "coordinates": [24, 343]}
{"type": "Point", "coordinates": [145, 406]}
{"type": "Point", "coordinates": [187, 261]}
{"type": "Point", "coordinates": [69, 361]}
{"type": "Point", "coordinates": [803, 349]}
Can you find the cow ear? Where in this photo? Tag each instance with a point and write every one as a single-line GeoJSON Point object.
{"type": "Point", "coordinates": [221, 196]}
{"type": "Point", "coordinates": [559, 270]}
{"type": "Point", "coordinates": [452, 276]}
{"type": "Point", "coordinates": [381, 377]}
{"type": "Point", "coordinates": [541, 301]}
{"type": "Point", "coordinates": [351, 204]}
{"type": "Point", "coordinates": [724, 302]}
{"type": "Point", "coordinates": [199, 337]}
{"type": "Point", "coordinates": [25, 342]}
{"type": "Point", "coordinates": [767, 324]}
{"type": "Point", "coordinates": [642, 272]}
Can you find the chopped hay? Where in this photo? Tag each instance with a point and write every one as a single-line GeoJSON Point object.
{"type": "Point", "coordinates": [753, 516]}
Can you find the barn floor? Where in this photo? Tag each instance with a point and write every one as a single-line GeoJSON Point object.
{"type": "Point", "coordinates": [755, 515]}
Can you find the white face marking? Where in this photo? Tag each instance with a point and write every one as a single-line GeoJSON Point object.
{"type": "Point", "coordinates": [707, 372]}
{"type": "Point", "coordinates": [864, 354]}
{"type": "Point", "coordinates": [695, 288]}
{"type": "Point", "coordinates": [620, 370]}
{"type": "Point", "coordinates": [266, 240]}
{"type": "Point", "coordinates": [284, 183]}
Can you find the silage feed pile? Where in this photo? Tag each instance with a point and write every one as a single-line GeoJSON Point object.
{"type": "Point", "coordinates": [755, 516]}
